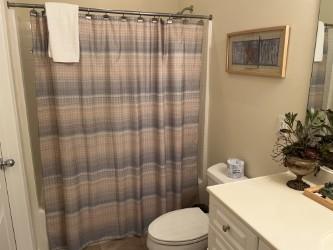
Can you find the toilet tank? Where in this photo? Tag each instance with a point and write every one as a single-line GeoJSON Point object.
{"type": "Point", "coordinates": [217, 174]}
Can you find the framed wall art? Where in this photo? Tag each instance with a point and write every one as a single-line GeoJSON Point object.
{"type": "Point", "coordinates": [260, 52]}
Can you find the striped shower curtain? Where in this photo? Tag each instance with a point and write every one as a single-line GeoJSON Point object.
{"type": "Point", "coordinates": [119, 129]}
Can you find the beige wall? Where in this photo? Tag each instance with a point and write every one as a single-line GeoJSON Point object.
{"type": "Point", "coordinates": [244, 109]}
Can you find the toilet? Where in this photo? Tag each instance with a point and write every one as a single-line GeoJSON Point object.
{"type": "Point", "coordinates": [186, 229]}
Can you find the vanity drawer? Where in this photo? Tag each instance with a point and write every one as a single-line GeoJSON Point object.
{"type": "Point", "coordinates": [230, 228]}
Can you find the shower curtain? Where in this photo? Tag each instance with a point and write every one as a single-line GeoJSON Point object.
{"type": "Point", "coordinates": [119, 129]}
{"type": "Point", "coordinates": [321, 85]}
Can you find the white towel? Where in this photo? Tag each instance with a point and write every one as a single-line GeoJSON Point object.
{"type": "Point", "coordinates": [319, 52]}
{"type": "Point", "coordinates": [63, 26]}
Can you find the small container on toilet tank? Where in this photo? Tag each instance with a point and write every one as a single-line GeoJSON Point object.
{"type": "Point", "coordinates": [235, 168]}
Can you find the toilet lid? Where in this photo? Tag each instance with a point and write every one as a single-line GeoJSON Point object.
{"type": "Point", "coordinates": [180, 226]}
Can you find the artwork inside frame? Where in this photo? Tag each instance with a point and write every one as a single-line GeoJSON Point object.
{"type": "Point", "coordinates": [261, 52]}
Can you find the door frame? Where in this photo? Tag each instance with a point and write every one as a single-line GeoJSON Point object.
{"type": "Point", "coordinates": [11, 144]}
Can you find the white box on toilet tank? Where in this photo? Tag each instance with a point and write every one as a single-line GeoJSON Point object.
{"type": "Point", "coordinates": [217, 174]}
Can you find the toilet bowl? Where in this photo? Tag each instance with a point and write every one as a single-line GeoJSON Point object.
{"type": "Point", "coordinates": [186, 229]}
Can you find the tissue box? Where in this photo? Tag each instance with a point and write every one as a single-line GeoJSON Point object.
{"type": "Point", "coordinates": [235, 168]}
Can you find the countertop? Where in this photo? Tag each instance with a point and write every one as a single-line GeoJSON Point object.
{"type": "Point", "coordinates": [285, 218]}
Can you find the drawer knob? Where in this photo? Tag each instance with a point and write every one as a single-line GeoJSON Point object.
{"type": "Point", "coordinates": [225, 228]}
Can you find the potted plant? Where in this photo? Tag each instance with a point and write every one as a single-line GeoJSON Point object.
{"type": "Point", "coordinates": [297, 146]}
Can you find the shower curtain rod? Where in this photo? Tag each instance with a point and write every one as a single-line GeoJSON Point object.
{"type": "Point", "coordinates": [121, 12]}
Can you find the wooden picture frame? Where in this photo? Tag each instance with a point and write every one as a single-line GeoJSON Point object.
{"type": "Point", "coordinates": [259, 52]}
{"type": "Point", "coordinates": [313, 193]}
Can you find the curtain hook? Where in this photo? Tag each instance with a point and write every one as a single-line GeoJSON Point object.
{"type": "Point", "coordinates": [33, 12]}
{"type": "Point", "coordinates": [106, 16]}
{"type": "Point", "coordinates": [170, 21]}
{"type": "Point", "coordinates": [154, 20]}
{"type": "Point", "coordinates": [123, 18]}
{"type": "Point", "coordinates": [88, 15]}
{"type": "Point", "coordinates": [140, 19]}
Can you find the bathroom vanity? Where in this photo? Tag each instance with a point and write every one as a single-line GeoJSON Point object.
{"type": "Point", "coordinates": [263, 213]}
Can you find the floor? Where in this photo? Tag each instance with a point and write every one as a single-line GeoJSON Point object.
{"type": "Point", "coordinates": [132, 243]}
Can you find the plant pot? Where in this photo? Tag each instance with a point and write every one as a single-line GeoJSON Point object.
{"type": "Point", "coordinates": [300, 167]}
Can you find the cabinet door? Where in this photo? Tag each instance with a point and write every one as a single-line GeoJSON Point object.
{"type": "Point", "coordinates": [230, 228]}
{"type": "Point", "coordinates": [216, 242]}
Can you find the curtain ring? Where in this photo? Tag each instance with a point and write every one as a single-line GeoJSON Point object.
{"type": "Point", "coordinates": [201, 22]}
{"type": "Point", "coordinates": [106, 16]}
{"type": "Point", "coordinates": [123, 18]}
{"type": "Point", "coordinates": [88, 15]}
{"type": "Point", "coordinates": [140, 19]}
{"type": "Point", "coordinates": [33, 12]}
{"type": "Point", "coordinates": [170, 21]}
{"type": "Point", "coordinates": [154, 20]}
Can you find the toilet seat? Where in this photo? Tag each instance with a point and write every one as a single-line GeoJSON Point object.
{"type": "Point", "coordinates": [184, 227]}
{"type": "Point", "coordinates": [178, 243]}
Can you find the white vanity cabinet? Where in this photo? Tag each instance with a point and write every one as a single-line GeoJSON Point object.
{"type": "Point", "coordinates": [264, 214]}
{"type": "Point", "coordinates": [229, 232]}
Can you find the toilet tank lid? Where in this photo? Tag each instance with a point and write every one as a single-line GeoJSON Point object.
{"type": "Point", "coordinates": [180, 226]}
{"type": "Point", "coordinates": [218, 173]}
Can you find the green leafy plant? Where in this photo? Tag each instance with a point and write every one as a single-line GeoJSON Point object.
{"type": "Point", "coordinates": [300, 139]}
{"type": "Point", "coordinates": [326, 142]}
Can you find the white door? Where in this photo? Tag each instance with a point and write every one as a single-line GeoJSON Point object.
{"type": "Point", "coordinates": [7, 240]}
{"type": "Point", "coordinates": [15, 214]}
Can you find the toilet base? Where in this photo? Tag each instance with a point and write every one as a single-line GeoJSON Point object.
{"type": "Point", "coordinates": [200, 245]}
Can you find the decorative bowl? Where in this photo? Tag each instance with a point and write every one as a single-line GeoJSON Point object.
{"type": "Point", "coordinates": [300, 167]}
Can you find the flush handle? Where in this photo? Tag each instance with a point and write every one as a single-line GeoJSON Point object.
{"type": "Point", "coordinates": [225, 228]}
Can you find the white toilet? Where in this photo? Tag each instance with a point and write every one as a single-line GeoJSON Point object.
{"type": "Point", "coordinates": [186, 229]}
